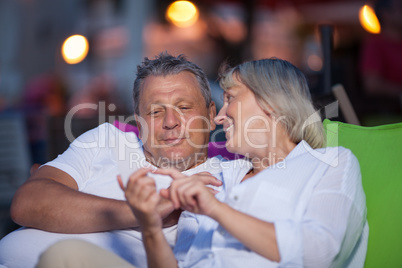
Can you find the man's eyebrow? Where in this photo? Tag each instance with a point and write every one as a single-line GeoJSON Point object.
{"type": "Point", "coordinates": [154, 104]}
{"type": "Point", "coordinates": [179, 100]}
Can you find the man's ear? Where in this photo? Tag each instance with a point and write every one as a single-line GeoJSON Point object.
{"type": "Point", "coordinates": [138, 124]}
{"type": "Point", "coordinates": [212, 114]}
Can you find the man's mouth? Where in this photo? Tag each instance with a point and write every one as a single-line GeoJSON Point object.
{"type": "Point", "coordinates": [173, 140]}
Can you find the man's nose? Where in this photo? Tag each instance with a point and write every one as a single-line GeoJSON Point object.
{"type": "Point", "coordinates": [172, 118]}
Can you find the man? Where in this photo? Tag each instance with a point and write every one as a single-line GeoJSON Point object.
{"type": "Point", "coordinates": [77, 194]}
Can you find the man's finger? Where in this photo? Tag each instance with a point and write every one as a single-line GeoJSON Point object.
{"type": "Point", "coordinates": [211, 180]}
{"type": "Point", "coordinates": [120, 181]}
{"type": "Point", "coordinates": [175, 174]}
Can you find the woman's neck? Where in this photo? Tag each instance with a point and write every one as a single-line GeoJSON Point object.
{"type": "Point", "coordinates": [270, 156]}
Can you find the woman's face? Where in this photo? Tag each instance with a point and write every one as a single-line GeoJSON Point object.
{"type": "Point", "coordinates": [246, 124]}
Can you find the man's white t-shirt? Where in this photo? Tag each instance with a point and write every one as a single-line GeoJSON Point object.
{"type": "Point", "coordinates": [94, 160]}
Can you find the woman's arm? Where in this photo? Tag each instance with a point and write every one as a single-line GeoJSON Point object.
{"type": "Point", "coordinates": [143, 199]}
{"type": "Point", "coordinates": [193, 196]}
{"type": "Point", "coordinates": [332, 221]}
{"type": "Point", "coordinates": [259, 236]}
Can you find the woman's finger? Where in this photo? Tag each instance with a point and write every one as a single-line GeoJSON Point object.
{"type": "Point", "coordinates": [186, 195]}
{"type": "Point", "coordinates": [173, 191]}
{"type": "Point", "coordinates": [135, 176]}
{"type": "Point", "coordinates": [165, 193]}
{"type": "Point", "coordinates": [140, 193]}
{"type": "Point", "coordinates": [206, 173]}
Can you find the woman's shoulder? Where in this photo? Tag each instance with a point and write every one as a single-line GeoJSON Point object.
{"type": "Point", "coordinates": [340, 160]}
{"type": "Point", "coordinates": [235, 170]}
{"type": "Point", "coordinates": [338, 151]}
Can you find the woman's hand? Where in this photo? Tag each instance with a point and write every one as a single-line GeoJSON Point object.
{"type": "Point", "coordinates": [148, 207]}
{"type": "Point", "coordinates": [190, 192]}
{"type": "Point", "coordinates": [143, 199]}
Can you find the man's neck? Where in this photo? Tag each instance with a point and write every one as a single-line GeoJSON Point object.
{"type": "Point", "coordinates": [181, 165]}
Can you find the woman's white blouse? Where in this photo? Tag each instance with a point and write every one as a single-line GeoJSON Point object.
{"type": "Point", "coordinates": [315, 200]}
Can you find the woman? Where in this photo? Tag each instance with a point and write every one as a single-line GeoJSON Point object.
{"type": "Point", "coordinates": [297, 206]}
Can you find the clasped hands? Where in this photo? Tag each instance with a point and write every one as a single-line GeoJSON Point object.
{"type": "Point", "coordinates": [185, 192]}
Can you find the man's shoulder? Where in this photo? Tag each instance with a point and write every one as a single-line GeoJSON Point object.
{"type": "Point", "coordinates": [105, 135]}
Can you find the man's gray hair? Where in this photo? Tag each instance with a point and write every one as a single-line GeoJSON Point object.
{"type": "Point", "coordinates": [166, 64]}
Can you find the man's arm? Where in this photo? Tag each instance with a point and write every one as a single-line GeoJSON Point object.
{"type": "Point", "coordinates": [50, 200]}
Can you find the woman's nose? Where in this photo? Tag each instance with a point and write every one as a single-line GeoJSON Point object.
{"type": "Point", "coordinates": [220, 117]}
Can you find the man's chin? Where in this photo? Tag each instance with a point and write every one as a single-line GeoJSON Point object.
{"type": "Point", "coordinates": [177, 162]}
{"type": "Point", "coordinates": [181, 160]}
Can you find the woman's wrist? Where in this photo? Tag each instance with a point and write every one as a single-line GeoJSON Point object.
{"type": "Point", "coordinates": [217, 210]}
{"type": "Point", "coordinates": [151, 233]}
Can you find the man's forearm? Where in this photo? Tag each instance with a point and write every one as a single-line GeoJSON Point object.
{"type": "Point", "coordinates": [172, 218]}
{"type": "Point", "coordinates": [48, 205]}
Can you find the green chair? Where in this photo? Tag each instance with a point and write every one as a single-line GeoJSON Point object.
{"type": "Point", "coordinates": [379, 151]}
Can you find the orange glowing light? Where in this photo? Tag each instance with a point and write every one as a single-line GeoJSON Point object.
{"type": "Point", "coordinates": [182, 13]}
{"type": "Point", "coordinates": [314, 62]}
{"type": "Point", "coordinates": [75, 49]}
{"type": "Point", "coordinates": [369, 20]}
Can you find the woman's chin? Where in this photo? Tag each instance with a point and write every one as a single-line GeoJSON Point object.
{"type": "Point", "coordinates": [234, 149]}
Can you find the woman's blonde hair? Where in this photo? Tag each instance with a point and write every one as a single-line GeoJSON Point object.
{"type": "Point", "coordinates": [280, 88]}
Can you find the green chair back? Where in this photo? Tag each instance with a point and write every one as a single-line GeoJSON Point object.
{"type": "Point", "coordinates": [379, 151]}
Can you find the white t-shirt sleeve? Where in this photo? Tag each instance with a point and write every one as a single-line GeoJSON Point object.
{"type": "Point", "coordinates": [77, 159]}
{"type": "Point", "coordinates": [333, 220]}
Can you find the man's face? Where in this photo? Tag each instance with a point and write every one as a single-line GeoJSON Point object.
{"type": "Point", "coordinates": [174, 121]}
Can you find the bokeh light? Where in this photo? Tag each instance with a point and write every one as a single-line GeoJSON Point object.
{"type": "Point", "coordinates": [369, 20]}
{"type": "Point", "coordinates": [182, 14]}
{"type": "Point", "coordinates": [75, 49]}
{"type": "Point", "coordinates": [314, 62]}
